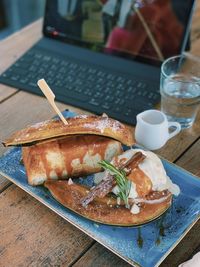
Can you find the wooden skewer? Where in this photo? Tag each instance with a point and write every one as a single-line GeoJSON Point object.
{"type": "Point", "coordinates": [50, 97]}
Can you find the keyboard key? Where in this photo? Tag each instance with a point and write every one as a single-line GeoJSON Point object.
{"type": "Point", "coordinates": [109, 98]}
{"type": "Point", "coordinates": [71, 94]}
{"type": "Point", "coordinates": [127, 111]}
{"type": "Point", "coordinates": [106, 105]}
{"type": "Point", "coordinates": [121, 102]}
{"type": "Point", "coordinates": [144, 93]}
{"type": "Point", "coordinates": [26, 59]}
{"type": "Point", "coordinates": [31, 75]}
{"type": "Point", "coordinates": [58, 84]}
{"type": "Point", "coordinates": [78, 89]}
{"type": "Point", "coordinates": [64, 63]}
{"type": "Point", "coordinates": [49, 80]}
{"type": "Point", "coordinates": [5, 75]}
{"type": "Point", "coordinates": [33, 68]}
{"type": "Point", "coordinates": [46, 58]}
{"type": "Point", "coordinates": [94, 102]}
{"type": "Point", "coordinates": [150, 95]}
{"type": "Point", "coordinates": [15, 77]}
{"type": "Point", "coordinates": [55, 61]}
{"type": "Point", "coordinates": [69, 87]}
{"type": "Point", "coordinates": [117, 109]}
{"type": "Point", "coordinates": [119, 93]}
{"type": "Point", "coordinates": [116, 101]}
{"type": "Point", "coordinates": [141, 85]}
{"type": "Point", "coordinates": [88, 92]}
{"type": "Point", "coordinates": [33, 84]}
{"type": "Point", "coordinates": [23, 81]}
{"type": "Point", "coordinates": [111, 77]}
{"type": "Point", "coordinates": [131, 89]}
{"type": "Point", "coordinates": [38, 55]}
{"type": "Point", "coordinates": [98, 95]}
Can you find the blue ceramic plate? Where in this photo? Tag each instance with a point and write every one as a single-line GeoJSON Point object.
{"type": "Point", "coordinates": [147, 245]}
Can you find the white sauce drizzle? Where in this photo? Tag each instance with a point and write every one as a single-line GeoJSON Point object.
{"type": "Point", "coordinates": [135, 209]}
{"type": "Point", "coordinates": [133, 193]}
{"type": "Point", "coordinates": [70, 182]}
{"type": "Point", "coordinates": [115, 190]}
{"type": "Point", "coordinates": [118, 200]}
{"type": "Point", "coordinates": [150, 201]}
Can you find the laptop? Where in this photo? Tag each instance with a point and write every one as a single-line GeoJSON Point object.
{"type": "Point", "coordinates": [104, 55]}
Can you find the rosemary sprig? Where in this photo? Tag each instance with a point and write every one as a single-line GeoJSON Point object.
{"type": "Point", "coordinates": [120, 176]}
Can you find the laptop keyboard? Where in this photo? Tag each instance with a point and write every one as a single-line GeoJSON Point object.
{"type": "Point", "coordinates": [86, 86]}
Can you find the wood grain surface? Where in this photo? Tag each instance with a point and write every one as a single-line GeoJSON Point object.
{"type": "Point", "coordinates": [16, 44]}
{"type": "Point", "coordinates": [31, 234]}
{"type": "Point", "coordinates": [195, 33]}
{"type": "Point", "coordinates": [34, 235]}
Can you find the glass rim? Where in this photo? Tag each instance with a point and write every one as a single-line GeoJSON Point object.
{"type": "Point", "coordinates": [173, 58]}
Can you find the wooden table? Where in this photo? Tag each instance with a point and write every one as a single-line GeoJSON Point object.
{"type": "Point", "coordinates": [30, 233]}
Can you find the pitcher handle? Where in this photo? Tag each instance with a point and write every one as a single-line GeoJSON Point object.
{"type": "Point", "coordinates": [176, 131]}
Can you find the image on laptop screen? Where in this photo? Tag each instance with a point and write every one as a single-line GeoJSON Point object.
{"type": "Point", "coordinates": [147, 28]}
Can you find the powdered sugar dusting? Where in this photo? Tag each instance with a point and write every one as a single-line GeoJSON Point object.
{"type": "Point", "coordinates": [83, 116]}
{"type": "Point", "coordinates": [104, 123]}
{"type": "Point", "coordinates": [40, 125]}
{"type": "Point", "coordinates": [27, 132]}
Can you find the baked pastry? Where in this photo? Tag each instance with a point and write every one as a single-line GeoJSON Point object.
{"type": "Point", "coordinates": [72, 156]}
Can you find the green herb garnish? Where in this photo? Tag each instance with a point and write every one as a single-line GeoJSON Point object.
{"type": "Point", "coordinates": [120, 176]}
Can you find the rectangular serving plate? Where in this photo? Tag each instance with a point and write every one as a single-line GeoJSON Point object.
{"type": "Point", "coordinates": [145, 246]}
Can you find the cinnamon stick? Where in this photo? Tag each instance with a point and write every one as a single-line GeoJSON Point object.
{"type": "Point", "coordinates": [108, 182]}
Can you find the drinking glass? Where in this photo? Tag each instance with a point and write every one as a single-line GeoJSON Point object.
{"type": "Point", "coordinates": [180, 89]}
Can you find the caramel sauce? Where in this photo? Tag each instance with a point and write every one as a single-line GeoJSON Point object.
{"type": "Point", "coordinates": [76, 147]}
{"type": "Point", "coordinates": [41, 150]}
{"type": "Point", "coordinates": [121, 161]}
{"type": "Point", "coordinates": [69, 149]}
{"type": "Point", "coordinates": [139, 239]}
{"type": "Point", "coordinates": [153, 195]}
{"type": "Point", "coordinates": [161, 228]}
{"type": "Point", "coordinates": [142, 181]}
{"type": "Point", "coordinates": [70, 196]}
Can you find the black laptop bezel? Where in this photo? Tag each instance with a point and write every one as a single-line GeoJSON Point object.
{"type": "Point", "coordinates": [185, 42]}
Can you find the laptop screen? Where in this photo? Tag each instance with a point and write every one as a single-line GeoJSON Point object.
{"type": "Point", "coordinates": [148, 29]}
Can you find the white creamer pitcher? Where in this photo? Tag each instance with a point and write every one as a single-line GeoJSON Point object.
{"type": "Point", "coordinates": [152, 129]}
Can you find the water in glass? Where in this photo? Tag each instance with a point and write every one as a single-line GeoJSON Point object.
{"type": "Point", "coordinates": [180, 98]}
